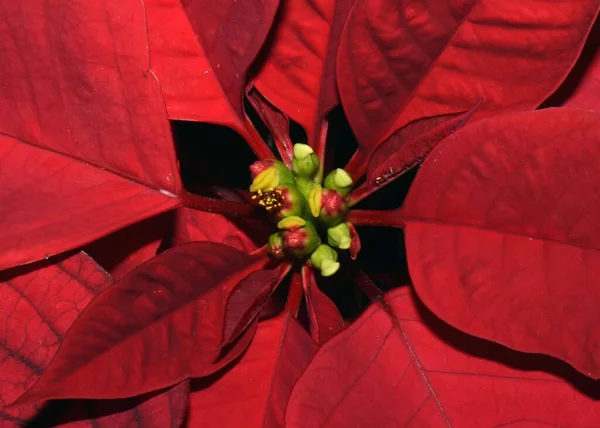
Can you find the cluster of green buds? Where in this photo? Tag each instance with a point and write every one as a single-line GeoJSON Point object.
{"type": "Point", "coordinates": [308, 211]}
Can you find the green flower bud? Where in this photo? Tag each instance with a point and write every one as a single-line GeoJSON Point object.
{"type": "Point", "coordinates": [339, 180]}
{"type": "Point", "coordinates": [275, 247]}
{"type": "Point", "coordinates": [283, 201]}
{"type": "Point", "coordinates": [339, 236]}
{"type": "Point", "coordinates": [269, 174]}
{"type": "Point", "coordinates": [305, 162]}
{"type": "Point", "coordinates": [301, 241]}
{"type": "Point", "coordinates": [315, 200]}
{"type": "Point", "coordinates": [291, 223]}
{"type": "Point", "coordinates": [324, 258]}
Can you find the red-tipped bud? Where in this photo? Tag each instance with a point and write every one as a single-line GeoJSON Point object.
{"type": "Point", "coordinates": [275, 247]}
{"type": "Point", "coordinates": [301, 241]}
{"type": "Point", "coordinates": [355, 243]}
{"type": "Point", "coordinates": [333, 207]}
{"type": "Point", "coordinates": [268, 174]}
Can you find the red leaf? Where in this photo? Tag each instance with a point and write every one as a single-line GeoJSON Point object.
{"type": "Point", "coordinates": [417, 372]}
{"type": "Point", "coordinates": [406, 148]}
{"type": "Point", "coordinates": [193, 225]}
{"type": "Point", "coordinates": [165, 409]}
{"type": "Point", "coordinates": [202, 66]}
{"type": "Point", "coordinates": [86, 147]}
{"type": "Point", "coordinates": [277, 123]}
{"type": "Point", "coordinates": [126, 249]}
{"type": "Point", "coordinates": [248, 298]}
{"type": "Point", "coordinates": [502, 233]}
{"type": "Point", "coordinates": [298, 74]}
{"type": "Point", "coordinates": [325, 319]}
{"type": "Point", "coordinates": [159, 325]}
{"type": "Point", "coordinates": [122, 251]}
{"type": "Point", "coordinates": [37, 307]}
{"type": "Point", "coordinates": [254, 392]}
{"type": "Point", "coordinates": [397, 63]}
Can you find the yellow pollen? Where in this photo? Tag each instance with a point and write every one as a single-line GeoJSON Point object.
{"type": "Point", "coordinates": [270, 198]}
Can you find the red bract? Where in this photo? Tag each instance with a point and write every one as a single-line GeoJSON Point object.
{"type": "Point", "coordinates": [414, 371]}
{"type": "Point", "coordinates": [255, 392]}
{"type": "Point", "coordinates": [156, 327]}
{"type": "Point", "coordinates": [501, 235]}
{"type": "Point", "coordinates": [301, 58]}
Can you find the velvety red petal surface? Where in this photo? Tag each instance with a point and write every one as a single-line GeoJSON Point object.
{"type": "Point", "coordinates": [325, 319]}
{"type": "Point", "coordinates": [82, 115]}
{"type": "Point", "coordinates": [200, 51]}
{"type": "Point", "coordinates": [298, 74]}
{"type": "Point", "coordinates": [418, 372]}
{"type": "Point", "coordinates": [37, 307]}
{"type": "Point", "coordinates": [126, 249]}
{"type": "Point", "coordinates": [254, 392]}
{"type": "Point", "coordinates": [398, 63]}
{"type": "Point", "coordinates": [248, 298]}
{"type": "Point", "coordinates": [192, 225]}
{"type": "Point", "coordinates": [502, 233]}
{"type": "Point", "coordinates": [404, 149]}
{"type": "Point", "coordinates": [159, 325]}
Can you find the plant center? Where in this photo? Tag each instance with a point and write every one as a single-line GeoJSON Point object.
{"type": "Point", "coordinates": [309, 212]}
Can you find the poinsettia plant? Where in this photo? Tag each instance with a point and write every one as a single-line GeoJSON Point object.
{"type": "Point", "coordinates": [212, 214]}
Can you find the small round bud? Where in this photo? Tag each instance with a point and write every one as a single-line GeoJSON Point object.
{"type": "Point", "coordinates": [333, 207]}
{"type": "Point", "coordinates": [269, 174]}
{"type": "Point", "coordinates": [300, 242]}
{"type": "Point", "coordinates": [324, 258]}
{"type": "Point", "coordinates": [305, 162]}
{"type": "Point", "coordinates": [339, 236]}
{"type": "Point", "coordinates": [275, 247]}
{"type": "Point", "coordinates": [339, 180]}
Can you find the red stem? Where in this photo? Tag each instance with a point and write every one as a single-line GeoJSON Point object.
{"type": "Point", "coordinates": [359, 194]}
{"type": "Point", "coordinates": [295, 294]}
{"type": "Point", "coordinates": [357, 166]}
{"type": "Point", "coordinates": [203, 203]}
{"type": "Point", "coordinates": [321, 146]}
{"type": "Point", "coordinates": [262, 251]}
{"type": "Point", "coordinates": [388, 218]}
{"type": "Point", "coordinates": [257, 144]}
{"type": "Point", "coordinates": [370, 289]}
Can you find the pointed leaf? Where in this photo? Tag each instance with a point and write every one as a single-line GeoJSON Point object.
{"type": "Point", "coordinates": [325, 319]}
{"type": "Point", "coordinates": [401, 61]}
{"type": "Point", "coordinates": [406, 148]}
{"type": "Point", "coordinates": [86, 146]}
{"type": "Point", "coordinates": [502, 233]}
{"type": "Point", "coordinates": [193, 225]}
{"type": "Point", "coordinates": [201, 50]}
{"type": "Point", "coordinates": [298, 73]}
{"type": "Point", "coordinates": [277, 123]}
{"type": "Point", "coordinates": [159, 325]}
{"type": "Point", "coordinates": [124, 250]}
{"type": "Point", "coordinates": [254, 392]}
{"type": "Point", "coordinates": [37, 307]}
{"type": "Point", "coordinates": [248, 298]}
{"type": "Point", "coordinates": [418, 372]}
